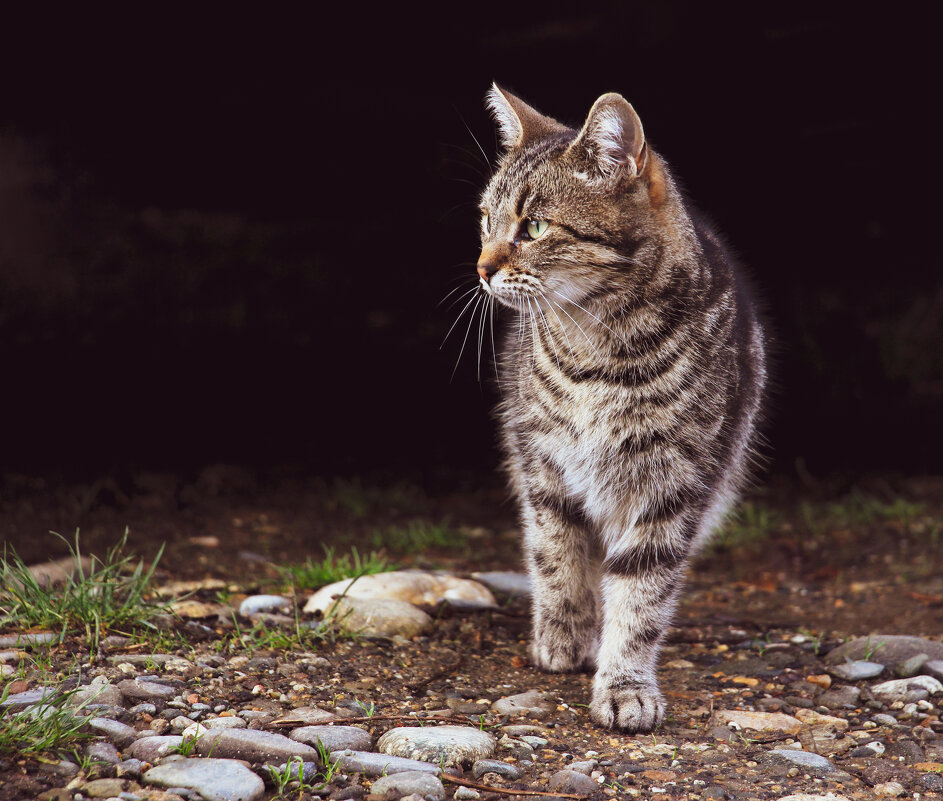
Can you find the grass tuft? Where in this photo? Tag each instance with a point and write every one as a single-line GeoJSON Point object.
{"type": "Point", "coordinates": [416, 536]}
{"type": "Point", "coordinates": [108, 596]}
{"type": "Point", "coordinates": [49, 724]}
{"type": "Point", "coordinates": [312, 574]}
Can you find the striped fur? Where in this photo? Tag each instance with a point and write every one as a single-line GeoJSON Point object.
{"type": "Point", "coordinates": [631, 381]}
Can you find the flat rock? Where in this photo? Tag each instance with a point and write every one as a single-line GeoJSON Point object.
{"type": "Point", "coordinates": [406, 783]}
{"type": "Point", "coordinates": [308, 715]}
{"type": "Point", "coordinates": [934, 668]}
{"type": "Point", "coordinates": [857, 671]}
{"type": "Point", "coordinates": [120, 734]}
{"type": "Point", "coordinates": [256, 604]}
{"type": "Point", "coordinates": [812, 763]}
{"type": "Point", "coordinates": [147, 690]}
{"type": "Point", "coordinates": [18, 701]}
{"type": "Point", "coordinates": [506, 582]}
{"type": "Point", "coordinates": [906, 690]}
{"type": "Point", "coordinates": [252, 745]}
{"type": "Point", "coordinates": [442, 745]}
{"type": "Point", "coordinates": [758, 721]}
{"type": "Point", "coordinates": [224, 723]}
{"type": "Point", "coordinates": [97, 694]}
{"type": "Point", "coordinates": [150, 749]}
{"type": "Point", "coordinates": [822, 722]}
{"type": "Point", "coordinates": [334, 738]}
{"type": "Point", "coordinates": [888, 649]}
{"type": "Point", "coordinates": [104, 788]}
{"type": "Point", "coordinates": [99, 751]}
{"type": "Point", "coordinates": [417, 587]}
{"type": "Point", "coordinates": [502, 769]}
{"type": "Point", "coordinates": [842, 696]}
{"type": "Point", "coordinates": [571, 781]}
{"type": "Point", "coordinates": [58, 571]}
{"type": "Point", "coordinates": [27, 640]}
{"type": "Point", "coordinates": [213, 779]}
{"type": "Point", "coordinates": [532, 704]}
{"type": "Point", "coordinates": [381, 617]}
{"type": "Point", "coordinates": [371, 764]}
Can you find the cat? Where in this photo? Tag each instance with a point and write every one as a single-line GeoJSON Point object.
{"type": "Point", "coordinates": [630, 384]}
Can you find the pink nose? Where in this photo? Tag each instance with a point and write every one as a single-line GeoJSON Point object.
{"type": "Point", "coordinates": [486, 270]}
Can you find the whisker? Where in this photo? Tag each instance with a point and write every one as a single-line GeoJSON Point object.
{"type": "Point", "coordinates": [494, 350]}
{"type": "Point", "coordinates": [562, 326]}
{"type": "Point", "coordinates": [471, 319]}
{"type": "Point", "coordinates": [582, 331]}
{"type": "Point", "coordinates": [459, 317]}
{"type": "Point", "coordinates": [452, 292]}
{"type": "Point", "coordinates": [581, 308]}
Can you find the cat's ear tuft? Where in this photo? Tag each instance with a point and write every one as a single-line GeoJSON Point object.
{"type": "Point", "coordinates": [611, 143]}
{"type": "Point", "coordinates": [517, 122]}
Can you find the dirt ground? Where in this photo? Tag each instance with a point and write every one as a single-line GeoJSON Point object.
{"type": "Point", "coordinates": [813, 565]}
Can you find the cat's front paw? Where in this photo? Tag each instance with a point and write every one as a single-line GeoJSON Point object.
{"type": "Point", "coordinates": [630, 707]}
{"type": "Point", "coordinates": [562, 655]}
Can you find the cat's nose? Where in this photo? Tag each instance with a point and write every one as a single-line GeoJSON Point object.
{"type": "Point", "coordinates": [487, 264]}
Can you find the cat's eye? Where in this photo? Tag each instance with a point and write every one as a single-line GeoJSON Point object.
{"type": "Point", "coordinates": [535, 228]}
{"type": "Point", "coordinates": [486, 223]}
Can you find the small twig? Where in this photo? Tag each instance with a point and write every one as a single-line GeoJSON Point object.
{"type": "Point", "coordinates": [416, 687]}
{"type": "Point", "coordinates": [465, 783]}
{"type": "Point", "coordinates": [372, 718]}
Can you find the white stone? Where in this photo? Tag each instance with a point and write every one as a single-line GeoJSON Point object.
{"type": "Point", "coordinates": [380, 617]}
{"type": "Point", "coordinates": [214, 779]}
{"type": "Point", "coordinates": [441, 745]}
{"type": "Point", "coordinates": [758, 721]}
{"type": "Point", "coordinates": [900, 689]}
{"type": "Point", "coordinates": [506, 582]}
{"type": "Point", "coordinates": [412, 586]}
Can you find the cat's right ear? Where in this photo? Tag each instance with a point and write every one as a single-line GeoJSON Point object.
{"type": "Point", "coordinates": [517, 122]}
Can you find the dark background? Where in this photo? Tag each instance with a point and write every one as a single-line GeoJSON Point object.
{"type": "Point", "coordinates": [223, 239]}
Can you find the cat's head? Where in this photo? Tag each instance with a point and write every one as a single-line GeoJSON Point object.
{"type": "Point", "coordinates": [565, 208]}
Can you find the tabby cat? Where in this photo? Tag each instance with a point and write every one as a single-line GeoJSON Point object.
{"type": "Point", "coordinates": [631, 382]}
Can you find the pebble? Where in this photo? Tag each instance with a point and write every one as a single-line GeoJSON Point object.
{"type": "Point", "coordinates": [888, 649]}
{"type": "Point", "coordinates": [309, 715]}
{"type": "Point", "coordinates": [102, 752]}
{"type": "Point", "coordinates": [28, 640]}
{"type": "Point", "coordinates": [253, 745]}
{"type": "Point", "coordinates": [7, 657]}
{"type": "Point", "coordinates": [871, 749]}
{"type": "Point", "coordinates": [381, 617]}
{"type": "Point", "coordinates": [442, 745]}
{"type": "Point", "coordinates": [147, 690]}
{"type": "Point", "coordinates": [814, 797]}
{"type": "Point", "coordinates": [570, 781]}
{"type": "Point", "coordinates": [104, 788]}
{"type": "Point", "coordinates": [889, 789]}
{"type": "Point", "coordinates": [150, 749]}
{"type": "Point", "coordinates": [857, 671]}
{"type": "Point", "coordinates": [883, 719]}
{"type": "Point", "coordinates": [418, 587]}
{"type": "Point", "coordinates": [934, 668]}
{"type": "Point", "coordinates": [256, 604]}
{"type": "Point", "coordinates": [840, 697]}
{"type": "Point", "coordinates": [758, 721]}
{"type": "Point", "coordinates": [18, 701]}
{"type": "Point", "coordinates": [502, 769]}
{"type": "Point", "coordinates": [333, 738]}
{"type": "Point", "coordinates": [820, 721]}
{"type": "Point", "coordinates": [911, 667]}
{"type": "Point", "coordinates": [532, 704]}
{"type": "Point", "coordinates": [466, 793]}
{"type": "Point", "coordinates": [906, 690]}
{"type": "Point", "coordinates": [813, 763]}
{"type": "Point", "coordinates": [213, 779]}
{"type": "Point", "coordinates": [408, 782]}
{"type": "Point", "coordinates": [583, 767]}
{"type": "Point", "coordinates": [506, 582]}
{"type": "Point", "coordinates": [143, 709]}
{"type": "Point", "coordinates": [371, 764]}
{"type": "Point", "coordinates": [130, 768]}
{"type": "Point", "coordinates": [101, 693]}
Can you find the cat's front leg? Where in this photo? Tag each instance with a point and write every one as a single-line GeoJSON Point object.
{"type": "Point", "coordinates": [640, 585]}
{"type": "Point", "coordinates": [563, 581]}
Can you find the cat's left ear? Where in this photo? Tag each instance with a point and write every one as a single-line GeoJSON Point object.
{"type": "Point", "coordinates": [612, 143]}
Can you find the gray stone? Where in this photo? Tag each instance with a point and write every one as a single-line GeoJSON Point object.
{"type": "Point", "coordinates": [913, 689]}
{"type": "Point", "coordinates": [214, 779]}
{"type": "Point", "coordinates": [104, 788]}
{"type": "Point", "coordinates": [9, 657]}
{"type": "Point", "coordinates": [872, 749]}
{"type": "Point", "coordinates": [101, 693]}
{"type": "Point", "coordinates": [857, 671]}
{"type": "Point", "coordinates": [141, 660]}
{"type": "Point", "coordinates": [130, 768]}
{"type": "Point", "coordinates": [812, 763]}
{"type": "Point", "coordinates": [309, 770]}
{"type": "Point", "coordinates": [586, 767]}
{"type": "Point", "coordinates": [502, 769]}
{"type": "Point", "coordinates": [911, 667]}
{"type": "Point", "coordinates": [532, 704]}
{"type": "Point", "coordinates": [28, 640]}
{"type": "Point", "coordinates": [883, 719]}
{"type": "Point", "coordinates": [506, 582]}
{"type": "Point", "coordinates": [932, 781]}
{"type": "Point", "coordinates": [143, 709]}
{"type": "Point", "coordinates": [334, 738]}
{"type": "Point", "coordinates": [370, 764]}
{"type": "Point", "coordinates": [147, 690]}
{"type": "Point", "coordinates": [408, 782]}
{"type": "Point", "coordinates": [61, 768]}
{"type": "Point", "coordinates": [150, 749]}
{"type": "Point", "coordinates": [840, 697]}
{"type": "Point", "coordinates": [888, 649]}
{"type": "Point", "coordinates": [252, 745]}
{"type": "Point", "coordinates": [463, 793]}
{"type": "Point", "coordinates": [256, 604]}
{"type": "Point", "coordinates": [309, 715]}
{"type": "Point", "coordinates": [104, 753]}
{"type": "Point", "coordinates": [120, 734]}
{"type": "Point", "coordinates": [570, 781]}
{"type": "Point", "coordinates": [19, 701]}
{"type": "Point", "coordinates": [442, 745]}
{"type": "Point", "coordinates": [934, 668]}
{"type": "Point", "coordinates": [232, 722]}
